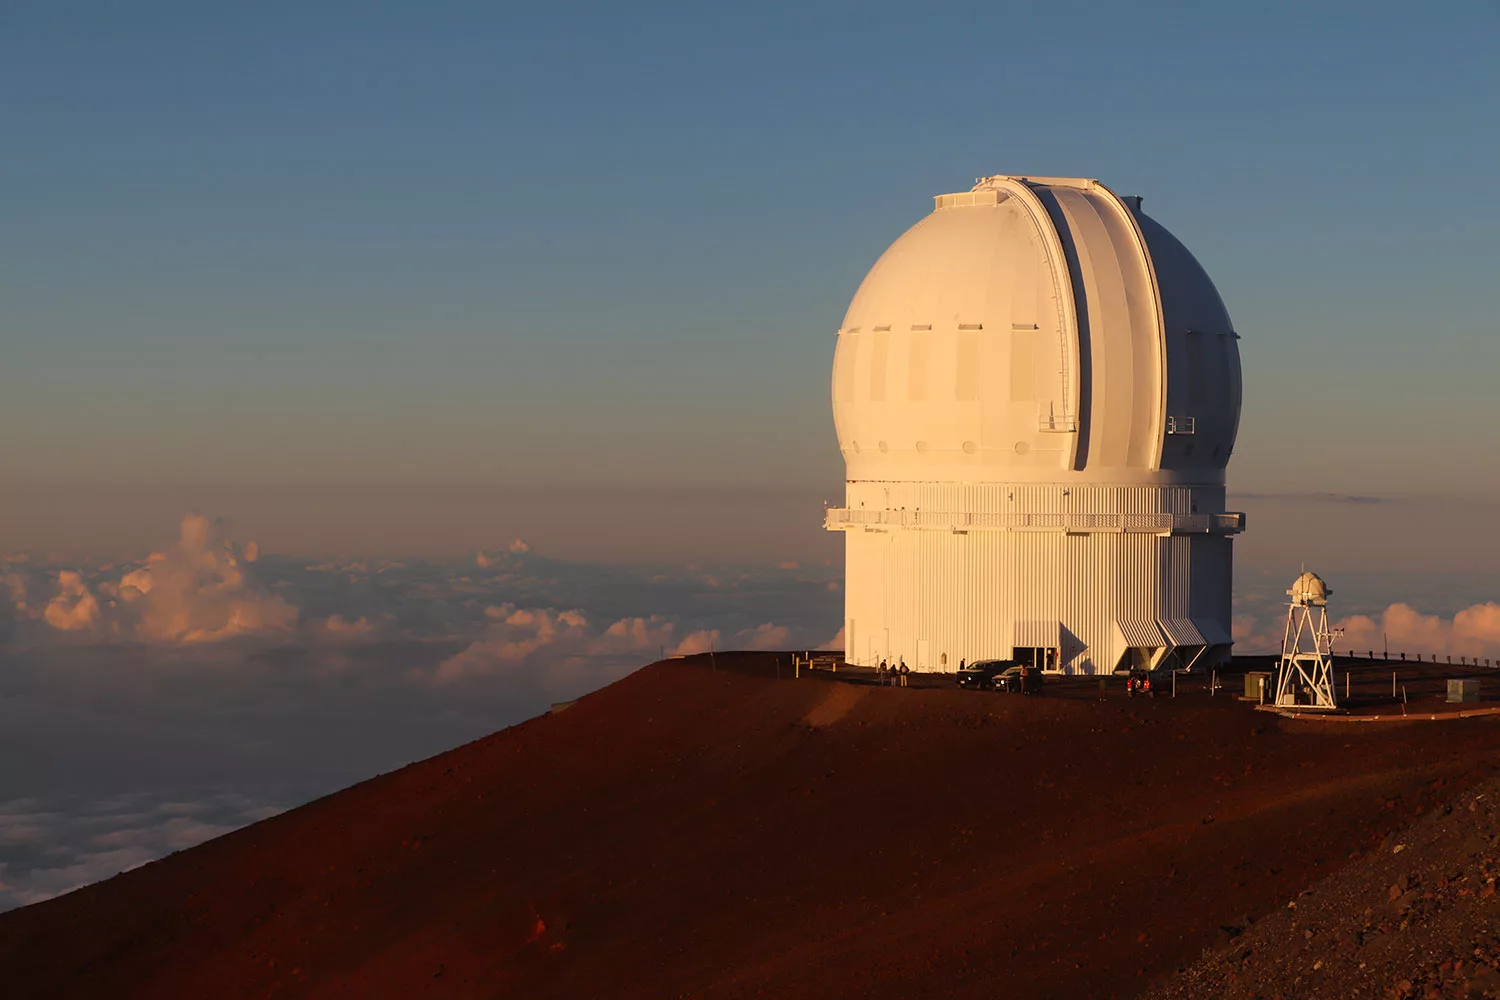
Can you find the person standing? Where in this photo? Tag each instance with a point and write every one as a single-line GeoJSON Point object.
{"type": "Point", "coordinates": [904, 671]}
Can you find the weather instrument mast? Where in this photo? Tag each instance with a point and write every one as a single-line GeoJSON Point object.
{"type": "Point", "coordinates": [1306, 676]}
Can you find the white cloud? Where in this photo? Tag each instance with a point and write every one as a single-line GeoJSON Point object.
{"type": "Point", "coordinates": [1474, 631]}
{"type": "Point", "coordinates": [339, 625]}
{"type": "Point", "coordinates": [555, 649]}
{"type": "Point", "coordinates": [1400, 628]}
{"type": "Point", "coordinates": [200, 589]}
{"type": "Point", "coordinates": [504, 560]}
{"type": "Point", "coordinates": [17, 591]}
{"type": "Point", "coordinates": [549, 648]}
{"type": "Point", "coordinates": [74, 608]}
{"type": "Point", "coordinates": [374, 664]}
{"type": "Point", "coordinates": [767, 636]}
{"type": "Point", "coordinates": [701, 641]}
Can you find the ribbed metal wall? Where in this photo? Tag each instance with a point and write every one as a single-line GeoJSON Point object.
{"type": "Point", "coordinates": [911, 590]}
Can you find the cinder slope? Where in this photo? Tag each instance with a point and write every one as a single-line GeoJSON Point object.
{"type": "Point", "coordinates": [698, 832]}
{"type": "Point", "coordinates": [1420, 917]}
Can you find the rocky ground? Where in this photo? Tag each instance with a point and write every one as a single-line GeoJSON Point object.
{"type": "Point", "coordinates": [1418, 917]}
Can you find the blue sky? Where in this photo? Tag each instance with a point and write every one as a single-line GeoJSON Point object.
{"type": "Point", "coordinates": [398, 282]}
{"type": "Point", "coordinates": [563, 244]}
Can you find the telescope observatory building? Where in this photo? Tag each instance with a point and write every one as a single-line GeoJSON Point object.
{"type": "Point", "coordinates": [1036, 390]}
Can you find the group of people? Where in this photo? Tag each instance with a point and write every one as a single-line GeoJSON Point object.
{"type": "Point", "coordinates": [894, 676]}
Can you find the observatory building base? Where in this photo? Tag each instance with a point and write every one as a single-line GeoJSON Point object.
{"type": "Point", "coordinates": [1060, 577]}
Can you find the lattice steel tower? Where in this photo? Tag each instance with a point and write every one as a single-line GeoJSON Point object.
{"type": "Point", "coordinates": [1306, 676]}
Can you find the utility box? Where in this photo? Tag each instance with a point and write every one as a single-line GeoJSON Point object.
{"type": "Point", "coordinates": [1258, 686]}
{"type": "Point", "coordinates": [1463, 689]}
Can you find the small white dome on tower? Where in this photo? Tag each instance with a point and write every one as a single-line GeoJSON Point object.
{"type": "Point", "coordinates": [1309, 588]}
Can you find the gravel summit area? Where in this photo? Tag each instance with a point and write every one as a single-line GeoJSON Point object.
{"type": "Point", "coordinates": [1419, 917]}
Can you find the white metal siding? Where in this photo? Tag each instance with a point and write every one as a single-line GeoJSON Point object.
{"type": "Point", "coordinates": [977, 594]}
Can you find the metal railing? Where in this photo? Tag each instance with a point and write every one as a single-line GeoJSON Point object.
{"type": "Point", "coordinates": [1232, 522]}
{"type": "Point", "coordinates": [1391, 657]}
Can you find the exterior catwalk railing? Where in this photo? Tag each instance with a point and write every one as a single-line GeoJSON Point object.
{"type": "Point", "coordinates": [841, 518]}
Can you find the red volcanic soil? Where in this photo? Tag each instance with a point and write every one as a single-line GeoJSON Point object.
{"type": "Point", "coordinates": [707, 832]}
{"type": "Point", "coordinates": [1420, 917]}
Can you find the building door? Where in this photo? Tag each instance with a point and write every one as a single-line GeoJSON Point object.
{"type": "Point", "coordinates": [1042, 658]}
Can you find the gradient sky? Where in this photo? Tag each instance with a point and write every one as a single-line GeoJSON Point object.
{"type": "Point", "coordinates": [400, 281]}
{"type": "Point", "coordinates": [563, 245]}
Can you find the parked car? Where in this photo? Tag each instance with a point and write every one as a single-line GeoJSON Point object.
{"type": "Point", "coordinates": [1022, 677]}
{"type": "Point", "coordinates": [980, 675]}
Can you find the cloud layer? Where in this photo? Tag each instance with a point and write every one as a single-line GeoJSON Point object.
{"type": "Point", "coordinates": [199, 589]}
{"type": "Point", "coordinates": [1474, 631]}
{"type": "Point", "coordinates": [128, 688]}
{"type": "Point", "coordinates": [52, 845]}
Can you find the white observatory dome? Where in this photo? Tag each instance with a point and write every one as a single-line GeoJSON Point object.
{"type": "Point", "coordinates": [1036, 391]}
{"type": "Point", "coordinates": [1035, 329]}
{"type": "Point", "coordinates": [1309, 588]}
